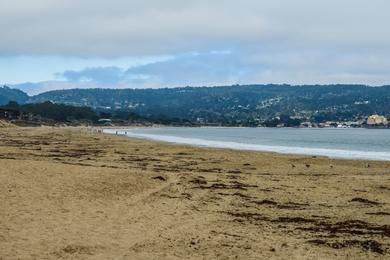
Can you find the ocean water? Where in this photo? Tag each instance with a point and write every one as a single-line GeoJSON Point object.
{"type": "Point", "coordinates": [371, 144]}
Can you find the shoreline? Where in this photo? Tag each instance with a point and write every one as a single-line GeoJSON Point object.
{"type": "Point", "coordinates": [206, 126]}
{"type": "Point", "coordinates": [287, 150]}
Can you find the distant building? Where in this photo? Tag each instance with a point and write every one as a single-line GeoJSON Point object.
{"type": "Point", "coordinates": [377, 120]}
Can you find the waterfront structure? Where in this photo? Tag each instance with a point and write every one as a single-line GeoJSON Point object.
{"type": "Point", "coordinates": [377, 120]}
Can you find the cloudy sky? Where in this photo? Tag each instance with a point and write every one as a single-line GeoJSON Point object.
{"type": "Point", "coordinates": [56, 44]}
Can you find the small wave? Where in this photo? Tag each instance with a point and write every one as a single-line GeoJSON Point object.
{"type": "Point", "coordinates": [332, 153]}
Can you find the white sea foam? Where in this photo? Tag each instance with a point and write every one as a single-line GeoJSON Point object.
{"type": "Point", "coordinates": [332, 153]}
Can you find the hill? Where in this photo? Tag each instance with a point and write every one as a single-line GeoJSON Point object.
{"type": "Point", "coordinates": [9, 94]}
{"type": "Point", "coordinates": [248, 105]}
{"type": "Point", "coordinates": [236, 104]}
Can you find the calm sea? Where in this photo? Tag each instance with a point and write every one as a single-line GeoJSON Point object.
{"type": "Point", "coordinates": [373, 144]}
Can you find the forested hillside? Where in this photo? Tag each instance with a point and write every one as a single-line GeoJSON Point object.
{"type": "Point", "coordinates": [8, 94]}
{"type": "Point", "coordinates": [235, 104]}
{"type": "Point", "coordinates": [227, 105]}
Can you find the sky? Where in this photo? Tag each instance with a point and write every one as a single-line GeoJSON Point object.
{"type": "Point", "coordinates": [59, 44]}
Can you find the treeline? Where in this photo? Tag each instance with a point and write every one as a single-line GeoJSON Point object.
{"type": "Point", "coordinates": [284, 120]}
{"type": "Point", "coordinates": [73, 114]}
{"type": "Point", "coordinates": [56, 112]}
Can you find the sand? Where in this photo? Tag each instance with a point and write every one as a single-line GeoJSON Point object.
{"type": "Point", "coordinates": [67, 193]}
{"type": "Point", "coordinates": [5, 124]}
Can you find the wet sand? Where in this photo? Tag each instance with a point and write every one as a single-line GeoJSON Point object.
{"type": "Point", "coordinates": [72, 194]}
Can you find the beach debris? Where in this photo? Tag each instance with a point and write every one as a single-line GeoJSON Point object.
{"type": "Point", "coordinates": [378, 213]}
{"type": "Point", "coordinates": [294, 220]}
{"type": "Point", "coordinates": [370, 245]}
{"type": "Point", "coordinates": [249, 216]}
{"type": "Point", "coordinates": [384, 188]}
{"type": "Point", "coordinates": [234, 171]}
{"type": "Point", "coordinates": [199, 180]}
{"type": "Point", "coordinates": [366, 201]}
{"type": "Point", "coordinates": [266, 202]}
{"type": "Point", "coordinates": [238, 194]}
{"type": "Point", "coordinates": [75, 249]}
{"type": "Point", "coordinates": [160, 178]}
{"type": "Point", "coordinates": [233, 185]}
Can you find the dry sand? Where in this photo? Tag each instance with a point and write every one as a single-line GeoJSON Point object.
{"type": "Point", "coordinates": [5, 124]}
{"type": "Point", "coordinates": [71, 194]}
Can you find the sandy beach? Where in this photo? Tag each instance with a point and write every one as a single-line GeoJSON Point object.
{"type": "Point", "coordinates": [69, 193]}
